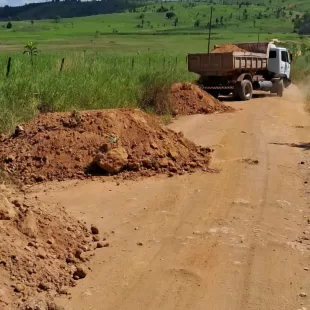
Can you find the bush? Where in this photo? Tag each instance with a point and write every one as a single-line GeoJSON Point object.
{"type": "Point", "coordinates": [9, 25]}
{"type": "Point", "coordinates": [170, 15]}
{"type": "Point", "coordinates": [154, 93]}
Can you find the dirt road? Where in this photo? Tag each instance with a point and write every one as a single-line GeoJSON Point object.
{"type": "Point", "coordinates": [237, 239]}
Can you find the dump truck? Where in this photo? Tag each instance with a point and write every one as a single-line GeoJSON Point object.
{"type": "Point", "coordinates": [259, 66]}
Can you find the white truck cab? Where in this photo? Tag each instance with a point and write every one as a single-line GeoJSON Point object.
{"type": "Point", "coordinates": [279, 61]}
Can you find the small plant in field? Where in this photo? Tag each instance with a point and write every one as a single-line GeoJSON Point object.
{"type": "Point", "coordinates": [31, 49]}
{"type": "Point", "coordinates": [9, 25]}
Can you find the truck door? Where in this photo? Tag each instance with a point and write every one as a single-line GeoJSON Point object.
{"type": "Point", "coordinates": [285, 66]}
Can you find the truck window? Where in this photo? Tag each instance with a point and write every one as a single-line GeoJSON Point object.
{"type": "Point", "coordinates": [273, 54]}
{"type": "Point", "coordinates": [284, 56]}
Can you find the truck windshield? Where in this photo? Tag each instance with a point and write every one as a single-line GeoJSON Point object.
{"type": "Point", "coordinates": [284, 56]}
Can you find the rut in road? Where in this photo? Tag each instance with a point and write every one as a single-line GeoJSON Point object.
{"type": "Point", "coordinates": [228, 240]}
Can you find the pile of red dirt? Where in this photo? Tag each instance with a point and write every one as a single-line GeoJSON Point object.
{"type": "Point", "coordinates": [43, 252]}
{"type": "Point", "coordinates": [227, 48]}
{"type": "Point", "coordinates": [130, 143]}
{"type": "Point", "coordinates": [187, 99]}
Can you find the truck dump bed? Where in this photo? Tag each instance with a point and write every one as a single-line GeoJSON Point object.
{"type": "Point", "coordinates": [221, 64]}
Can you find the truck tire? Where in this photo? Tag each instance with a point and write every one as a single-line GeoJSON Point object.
{"type": "Point", "coordinates": [245, 90]}
{"type": "Point", "coordinates": [280, 89]}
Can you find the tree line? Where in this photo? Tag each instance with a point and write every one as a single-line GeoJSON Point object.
{"type": "Point", "coordinates": [64, 9]}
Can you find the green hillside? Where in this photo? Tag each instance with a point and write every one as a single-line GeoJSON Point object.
{"type": "Point", "coordinates": [231, 22]}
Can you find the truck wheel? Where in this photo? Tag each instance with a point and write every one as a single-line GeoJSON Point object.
{"type": "Point", "coordinates": [245, 90]}
{"type": "Point", "coordinates": [280, 89]}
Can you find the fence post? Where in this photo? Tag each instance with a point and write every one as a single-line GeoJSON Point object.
{"type": "Point", "coordinates": [149, 62]}
{"type": "Point", "coordinates": [176, 60]}
{"type": "Point", "coordinates": [132, 63]}
{"type": "Point", "coordinates": [62, 64]}
{"type": "Point", "coordinates": [8, 68]}
{"type": "Point", "coordinates": [164, 61]}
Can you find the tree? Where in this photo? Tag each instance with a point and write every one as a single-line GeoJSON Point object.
{"type": "Point", "coordinates": [9, 25]}
{"type": "Point", "coordinates": [31, 49]}
{"type": "Point", "coordinates": [169, 15]}
{"type": "Point", "coordinates": [197, 23]}
{"type": "Point", "coordinates": [303, 24]}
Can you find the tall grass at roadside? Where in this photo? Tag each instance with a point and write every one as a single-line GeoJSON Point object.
{"type": "Point", "coordinates": [301, 76]}
{"type": "Point", "coordinates": [87, 82]}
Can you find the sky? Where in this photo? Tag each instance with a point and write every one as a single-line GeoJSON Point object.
{"type": "Point", "coordinates": [17, 2]}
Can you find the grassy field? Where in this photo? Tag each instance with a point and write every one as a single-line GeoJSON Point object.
{"type": "Point", "coordinates": [88, 81]}
{"type": "Point", "coordinates": [121, 60]}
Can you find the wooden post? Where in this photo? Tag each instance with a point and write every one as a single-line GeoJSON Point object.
{"type": "Point", "coordinates": [132, 63]}
{"type": "Point", "coordinates": [8, 68]}
{"type": "Point", "coordinates": [164, 61]}
{"type": "Point", "coordinates": [176, 60]}
{"type": "Point", "coordinates": [62, 64]}
{"type": "Point", "coordinates": [149, 62]}
{"type": "Point", "coordinates": [210, 27]}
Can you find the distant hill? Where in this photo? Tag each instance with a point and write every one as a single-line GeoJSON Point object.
{"type": "Point", "coordinates": [64, 9]}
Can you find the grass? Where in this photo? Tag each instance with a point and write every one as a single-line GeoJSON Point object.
{"type": "Point", "coordinates": [87, 82]}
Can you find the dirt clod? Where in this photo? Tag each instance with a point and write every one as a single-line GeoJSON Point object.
{"type": "Point", "coordinates": [96, 238]}
{"type": "Point", "coordinates": [19, 288]}
{"type": "Point", "coordinates": [103, 244]}
{"type": "Point", "coordinates": [187, 99]}
{"type": "Point", "coordinates": [113, 161]}
{"type": "Point", "coordinates": [94, 230]}
{"type": "Point", "coordinates": [81, 271]}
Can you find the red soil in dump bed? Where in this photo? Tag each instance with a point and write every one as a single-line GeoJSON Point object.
{"type": "Point", "coordinates": [227, 48]}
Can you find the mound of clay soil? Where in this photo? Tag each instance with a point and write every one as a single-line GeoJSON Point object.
{"type": "Point", "coordinates": [41, 252]}
{"type": "Point", "coordinates": [59, 146]}
{"type": "Point", "coordinates": [187, 99]}
{"type": "Point", "coordinates": [227, 48]}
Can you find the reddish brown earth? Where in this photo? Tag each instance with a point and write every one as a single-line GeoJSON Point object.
{"type": "Point", "coordinates": [59, 146]}
{"type": "Point", "coordinates": [187, 99]}
{"type": "Point", "coordinates": [41, 249]}
{"type": "Point", "coordinates": [227, 48]}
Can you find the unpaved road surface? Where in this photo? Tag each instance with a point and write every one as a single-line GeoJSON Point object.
{"type": "Point", "coordinates": [236, 239]}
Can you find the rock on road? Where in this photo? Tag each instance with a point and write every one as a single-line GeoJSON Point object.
{"type": "Point", "coordinates": [237, 239]}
